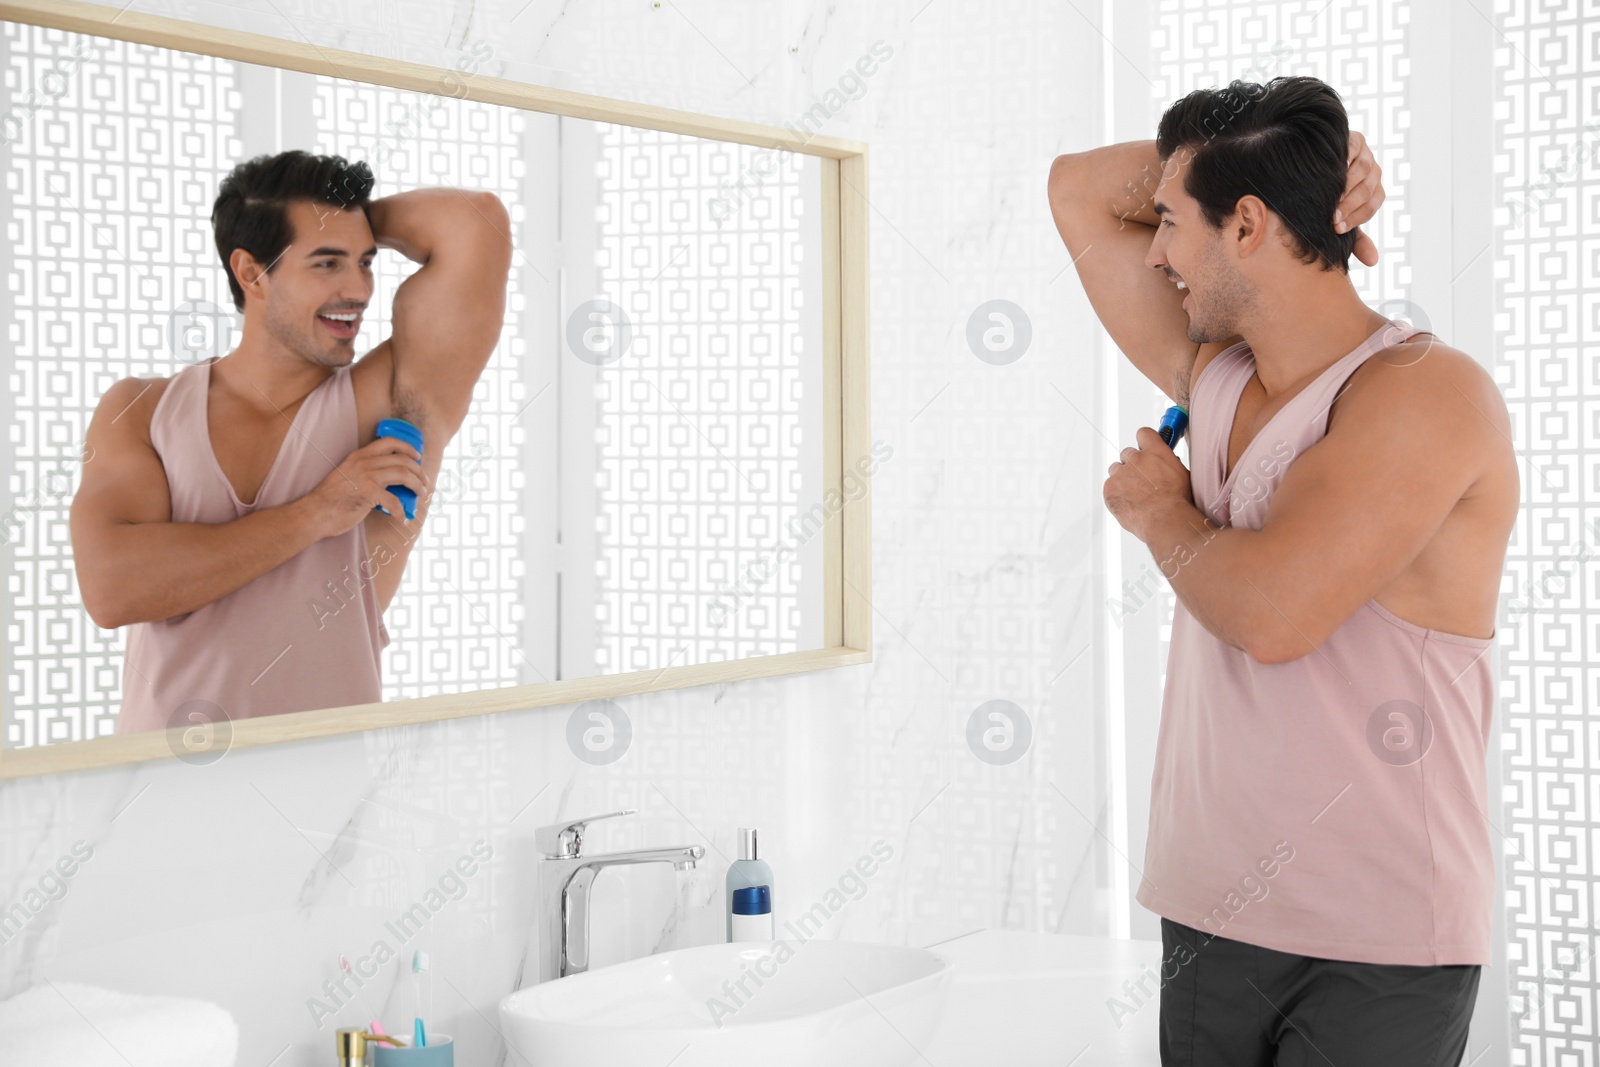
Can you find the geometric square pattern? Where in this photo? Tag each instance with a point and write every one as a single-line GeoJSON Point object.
{"type": "Point", "coordinates": [113, 153]}
{"type": "Point", "coordinates": [1547, 325]}
{"type": "Point", "coordinates": [701, 426]}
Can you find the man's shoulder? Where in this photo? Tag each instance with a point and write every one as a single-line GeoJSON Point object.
{"type": "Point", "coordinates": [1423, 370]}
{"type": "Point", "coordinates": [131, 402]}
{"type": "Point", "coordinates": [1437, 387]}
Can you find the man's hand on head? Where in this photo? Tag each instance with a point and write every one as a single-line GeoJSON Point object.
{"type": "Point", "coordinates": [1363, 195]}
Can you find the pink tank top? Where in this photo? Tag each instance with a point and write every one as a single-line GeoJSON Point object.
{"type": "Point", "coordinates": [306, 634]}
{"type": "Point", "coordinates": [1330, 806]}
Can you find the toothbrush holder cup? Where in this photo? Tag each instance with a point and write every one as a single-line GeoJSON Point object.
{"type": "Point", "coordinates": [440, 1051]}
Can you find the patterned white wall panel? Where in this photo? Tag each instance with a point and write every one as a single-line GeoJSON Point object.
{"type": "Point", "coordinates": [1547, 322]}
{"type": "Point", "coordinates": [112, 157]}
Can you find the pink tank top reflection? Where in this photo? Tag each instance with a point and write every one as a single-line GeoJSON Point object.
{"type": "Point", "coordinates": [307, 634]}
{"type": "Point", "coordinates": [1333, 805]}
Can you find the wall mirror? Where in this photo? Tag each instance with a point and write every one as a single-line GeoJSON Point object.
{"type": "Point", "coordinates": [662, 480]}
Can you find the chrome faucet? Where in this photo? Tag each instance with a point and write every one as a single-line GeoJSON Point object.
{"type": "Point", "coordinates": [566, 874]}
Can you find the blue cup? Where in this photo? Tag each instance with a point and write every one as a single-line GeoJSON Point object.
{"type": "Point", "coordinates": [440, 1051]}
{"type": "Point", "coordinates": [411, 435]}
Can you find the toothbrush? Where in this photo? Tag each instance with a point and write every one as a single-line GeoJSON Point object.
{"type": "Point", "coordinates": [419, 963]}
{"type": "Point", "coordinates": [375, 1026]}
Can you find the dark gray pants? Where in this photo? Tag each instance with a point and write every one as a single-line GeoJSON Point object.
{"type": "Point", "coordinates": [1236, 1005]}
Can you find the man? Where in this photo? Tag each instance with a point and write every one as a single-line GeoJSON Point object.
{"type": "Point", "coordinates": [1318, 849]}
{"type": "Point", "coordinates": [228, 517]}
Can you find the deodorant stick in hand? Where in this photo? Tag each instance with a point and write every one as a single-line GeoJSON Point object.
{"type": "Point", "coordinates": [411, 435]}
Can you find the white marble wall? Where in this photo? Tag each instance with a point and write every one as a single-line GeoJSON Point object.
{"type": "Point", "coordinates": [243, 882]}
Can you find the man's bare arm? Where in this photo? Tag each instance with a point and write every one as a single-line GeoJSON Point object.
{"type": "Point", "coordinates": [447, 322]}
{"type": "Point", "coordinates": [1103, 204]}
{"type": "Point", "coordinates": [448, 315]}
{"type": "Point", "coordinates": [133, 563]}
{"type": "Point", "coordinates": [1347, 519]}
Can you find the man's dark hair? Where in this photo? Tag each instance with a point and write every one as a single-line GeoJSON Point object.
{"type": "Point", "coordinates": [1286, 142]}
{"type": "Point", "coordinates": [251, 211]}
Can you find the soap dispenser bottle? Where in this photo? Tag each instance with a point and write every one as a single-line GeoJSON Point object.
{"type": "Point", "coordinates": [749, 892]}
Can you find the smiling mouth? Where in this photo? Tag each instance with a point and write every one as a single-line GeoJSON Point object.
{"type": "Point", "coordinates": [341, 328]}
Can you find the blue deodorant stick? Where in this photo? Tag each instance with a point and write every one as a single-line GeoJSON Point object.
{"type": "Point", "coordinates": [412, 436]}
{"type": "Point", "coordinates": [1173, 424]}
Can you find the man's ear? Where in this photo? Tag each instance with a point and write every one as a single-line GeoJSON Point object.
{"type": "Point", "coordinates": [251, 277]}
{"type": "Point", "coordinates": [1251, 223]}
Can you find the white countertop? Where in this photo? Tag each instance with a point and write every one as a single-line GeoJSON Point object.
{"type": "Point", "coordinates": [1021, 1000]}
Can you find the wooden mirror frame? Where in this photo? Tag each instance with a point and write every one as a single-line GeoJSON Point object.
{"type": "Point", "coordinates": [847, 572]}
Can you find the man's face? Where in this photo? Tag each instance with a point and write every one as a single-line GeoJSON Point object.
{"type": "Point", "coordinates": [326, 270]}
{"type": "Point", "coordinates": [1187, 249]}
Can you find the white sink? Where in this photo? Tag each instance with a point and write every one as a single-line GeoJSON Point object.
{"type": "Point", "coordinates": [840, 1003]}
{"type": "Point", "coordinates": [1044, 1000]}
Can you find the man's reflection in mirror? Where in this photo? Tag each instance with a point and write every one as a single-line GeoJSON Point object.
{"type": "Point", "coordinates": [238, 516]}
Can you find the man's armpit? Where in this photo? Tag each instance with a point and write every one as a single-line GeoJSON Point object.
{"type": "Point", "coordinates": [409, 406]}
{"type": "Point", "coordinates": [1180, 384]}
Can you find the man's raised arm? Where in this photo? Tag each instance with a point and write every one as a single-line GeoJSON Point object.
{"type": "Point", "coordinates": [1103, 204]}
{"type": "Point", "coordinates": [448, 315]}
